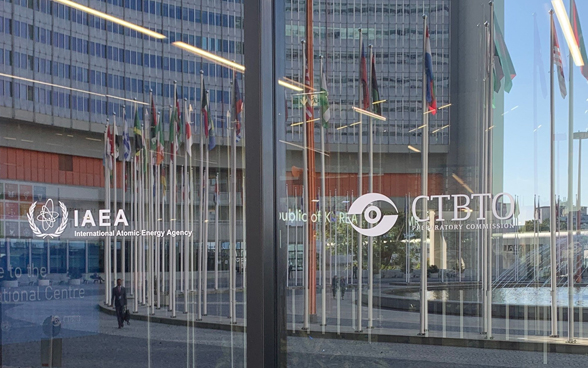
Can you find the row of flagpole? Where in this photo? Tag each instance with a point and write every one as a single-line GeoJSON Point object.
{"type": "Point", "coordinates": [147, 207]}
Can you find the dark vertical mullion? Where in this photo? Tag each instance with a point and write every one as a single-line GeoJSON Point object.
{"type": "Point", "coordinates": [262, 311]}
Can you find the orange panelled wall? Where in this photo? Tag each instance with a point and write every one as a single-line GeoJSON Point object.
{"type": "Point", "coordinates": [391, 185]}
{"type": "Point", "coordinates": [43, 167]}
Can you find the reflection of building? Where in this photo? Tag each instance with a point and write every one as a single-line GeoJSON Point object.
{"type": "Point", "coordinates": [55, 129]}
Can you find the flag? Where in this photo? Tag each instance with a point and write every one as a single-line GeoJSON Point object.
{"type": "Point", "coordinates": [503, 66]}
{"type": "Point", "coordinates": [156, 136]}
{"type": "Point", "coordinates": [376, 105]}
{"type": "Point", "coordinates": [188, 129]}
{"type": "Point", "coordinates": [309, 110]}
{"type": "Point", "coordinates": [174, 122]}
{"type": "Point", "coordinates": [238, 107]}
{"type": "Point", "coordinates": [324, 101]}
{"type": "Point", "coordinates": [107, 159]}
{"type": "Point", "coordinates": [517, 212]}
{"type": "Point", "coordinates": [115, 142]}
{"type": "Point", "coordinates": [558, 62]}
{"type": "Point", "coordinates": [207, 119]}
{"type": "Point", "coordinates": [431, 100]}
{"type": "Point", "coordinates": [579, 38]}
{"type": "Point", "coordinates": [138, 134]}
{"type": "Point", "coordinates": [363, 78]}
{"type": "Point", "coordinates": [126, 141]}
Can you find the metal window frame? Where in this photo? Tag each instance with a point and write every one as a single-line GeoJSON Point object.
{"type": "Point", "coordinates": [266, 314]}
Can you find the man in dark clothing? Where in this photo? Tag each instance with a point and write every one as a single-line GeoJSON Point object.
{"type": "Point", "coordinates": [335, 285]}
{"type": "Point", "coordinates": [343, 286]}
{"type": "Point", "coordinates": [119, 300]}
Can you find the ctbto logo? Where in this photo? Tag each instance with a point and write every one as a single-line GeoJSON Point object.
{"type": "Point", "coordinates": [372, 214]}
{"type": "Point", "coordinates": [487, 203]}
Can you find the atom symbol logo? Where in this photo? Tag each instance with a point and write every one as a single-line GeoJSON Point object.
{"type": "Point", "coordinates": [47, 217]}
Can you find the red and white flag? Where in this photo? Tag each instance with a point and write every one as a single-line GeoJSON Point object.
{"type": "Point", "coordinates": [558, 62]}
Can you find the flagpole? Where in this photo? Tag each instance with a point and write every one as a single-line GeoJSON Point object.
{"type": "Point", "coordinates": [107, 162]}
{"type": "Point", "coordinates": [234, 217]}
{"type": "Point", "coordinates": [151, 270]}
{"type": "Point", "coordinates": [201, 195]}
{"type": "Point", "coordinates": [135, 262]}
{"type": "Point", "coordinates": [124, 191]}
{"type": "Point", "coordinates": [115, 190]}
{"type": "Point", "coordinates": [216, 247]}
{"type": "Point", "coordinates": [370, 239]}
{"type": "Point", "coordinates": [571, 263]}
{"type": "Point", "coordinates": [306, 323]}
{"type": "Point", "coordinates": [205, 245]}
{"type": "Point", "coordinates": [359, 194]}
{"type": "Point", "coordinates": [323, 212]}
{"type": "Point", "coordinates": [158, 215]}
{"type": "Point", "coordinates": [424, 310]}
{"type": "Point", "coordinates": [552, 220]}
{"type": "Point", "coordinates": [231, 240]}
{"type": "Point", "coordinates": [187, 146]}
{"type": "Point", "coordinates": [487, 239]}
{"type": "Point", "coordinates": [174, 208]}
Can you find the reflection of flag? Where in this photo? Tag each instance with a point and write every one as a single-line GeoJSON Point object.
{"type": "Point", "coordinates": [207, 119]}
{"type": "Point", "coordinates": [173, 130]}
{"type": "Point", "coordinates": [377, 107]}
{"type": "Point", "coordinates": [308, 90]}
{"type": "Point", "coordinates": [188, 136]}
{"type": "Point", "coordinates": [238, 107]}
{"type": "Point", "coordinates": [558, 62]}
{"type": "Point", "coordinates": [115, 141]}
{"type": "Point", "coordinates": [324, 100]}
{"type": "Point", "coordinates": [517, 212]}
{"type": "Point", "coordinates": [579, 37]}
{"type": "Point", "coordinates": [126, 140]}
{"type": "Point", "coordinates": [363, 79]}
{"type": "Point", "coordinates": [503, 66]}
{"type": "Point", "coordinates": [156, 135]}
{"type": "Point", "coordinates": [107, 159]}
{"type": "Point", "coordinates": [431, 100]}
{"type": "Point", "coordinates": [138, 134]}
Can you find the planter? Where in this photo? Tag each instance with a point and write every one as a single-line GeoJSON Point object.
{"type": "Point", "coordinates": [75, 281]}
{"type": "Point", "coordinates": [43, 282]}
{"type": "Point", "coordinates": [10, 283]}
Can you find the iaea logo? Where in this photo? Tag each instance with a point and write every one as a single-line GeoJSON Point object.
{"type": "Point", "coordinates": [364, 205]}
{"type": "Point", "coordinates": [47, 217]}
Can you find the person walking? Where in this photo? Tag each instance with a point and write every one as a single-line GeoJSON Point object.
{"type": "Point", "coordinates": [342, 286]}
{"type": "Point", "coordinates": [335, 285]}
{"type": "Point", "coordinates": [119, 301]}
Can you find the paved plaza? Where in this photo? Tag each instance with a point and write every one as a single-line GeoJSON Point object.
{"type": "Point", "coordinates": [91, 337]}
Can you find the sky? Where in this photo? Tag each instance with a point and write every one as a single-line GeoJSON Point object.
{"type": "Point", "coordinates": [527, 174]}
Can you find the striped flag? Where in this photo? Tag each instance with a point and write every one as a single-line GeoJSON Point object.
{"type": "Point", "coordinates": [376, 104]}
{"type": "Point", "coordinates": [107, 160]}
{"type": "Point", "coordinates": [309, 110]}
{"type": "Point", "coordinates": [138, 134]}
{"type": "Point", "coordinates": [431, 100]}
{"type": "Point", "coordinates": [238, 107]}
{"type": "Point", "coordinates": [579, 38]}
{"type": "Point", "coordinates": [324, 100]}
{"type": "Point", "coordinates": [558, 62]}
{"type": "Point", "coordinates": [126, 140]}
{"type": "Point", "coordinates": [174, 122]}
{"type": "Point", "coordinates": [207, 119]}
{"type": "Point", "coordinates": [365, 102]}
{"type": "Point", "coordinates": [188, 129]}
{"type": "Point", "coordinates": [503, 66]}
